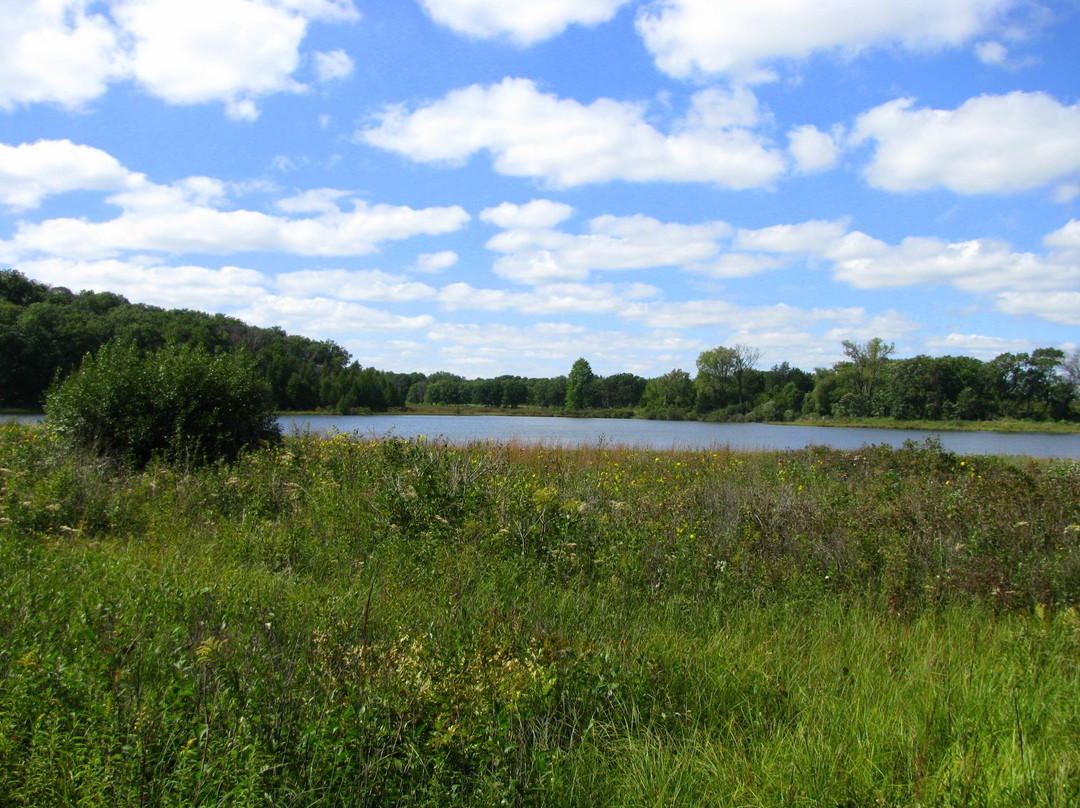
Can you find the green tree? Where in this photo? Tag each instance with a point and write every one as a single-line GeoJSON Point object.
{"type": "Point", "coordinates": [869, 361]}
{"type": "Point", "coordinates": [744, 359]}
{"type": "Point", "coordinates": [715, 367]}
{"type": "Point", "coordinates": [178, 402]}
{"type": "Point", "coordinates": [579, 385]}
{"type": "Point", "coordinates": [674, 391]}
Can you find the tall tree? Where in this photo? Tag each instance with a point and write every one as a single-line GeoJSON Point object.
{"type": "Point", "coordinates": [672, 391]}
{"type": "Point", "coordinates": [869, 360]}
{"type": "Point", "coordinates": [579, 386]}
{"type": "Point", "coordinates": [716, 367]}
{"type": "Point", "coordinates": [745, 358]}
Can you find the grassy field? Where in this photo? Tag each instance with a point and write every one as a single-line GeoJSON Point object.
{"type": "Point", "coordinates": [334, 622]}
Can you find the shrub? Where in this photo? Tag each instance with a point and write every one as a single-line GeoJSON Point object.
{"type": "Point", "coordinates": [178, 402]}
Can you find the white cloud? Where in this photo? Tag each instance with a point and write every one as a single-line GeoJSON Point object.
{"type": "Point", "coordinates": [543, 256]}
{"type": "Point", "coordinates": [340, 284]}
{"type": "Point", "coordinates": [689, 37]}
{"type": "Point", "coordinates": [566, 144]}
{"type": "Point", "coordinates": [314, 200]}
{"type": "Point", "coordinates": [183, 286]}
{"type": "Point", "coordinates": [990, 144]}
{"type": "Point", "coordinates": [183, 51]}
{"type": "Point", "coordinates": [723, 314]}
{"type": "Point", "coordinates": [193, 51]}
{"type": "Point", "coordinates": [185, 218]}
{"type": "Point", "coordinates": [977, 345]}
{"type": "Point", "coordinates": [736, 265]}
{"type": "Point", "coordinates": [436, 262]}
{"type": "Point", "coordinates": [523, 21]}
{"type": "Point", "coordinates": [1057, 307]}
{"type": "Point", "coordinates": [540, 213]}
{"type": "Point", "coordinates": [978, 265]}
{"type": "Point", "coordinates": [812, 237]}
{"type": "Point", "coordinates": [889, 326]}
{"type": "Point", "coordinates": [812, 149]}
{"type": "Point", "coordinates": [557, 298]}
{"type": "Point", "coordinates": [1067, 237]}
{"type": "Point", "coordinates": [1066, 192]}
{"type": "Point", "coordinates": [56, 51]}
{"type": "Point", "coordinates": [549, 349]}
{"type": "Point", "coordinates": [325, 318]}
{"type": "Point", "coordinates": [991, 53]}
{"type": "Point", "coordinates": [30, 172]}
{"type": "Point", "coordinates": [331, 65]}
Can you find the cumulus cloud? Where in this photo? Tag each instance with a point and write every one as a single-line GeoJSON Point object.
{"type": "Point", "coordinates": [313, 200]}
{"type": "Point", "coordinates": [1067, 237]}
{"type": "Point", "coordinates": [523, 21]}
{"type": "Point", "coordinates": [812, 237]}
{"type": "Point", "coordinates": [556, 298]}
{"type": "Point", "coordinates": [57, 52]}
{"type": "Point", "coordinates": [189, 217]}
{"type": "Point", "coordinates": [170, 286]}
{"type": "Point", "coordinates": [565, 143]}
{"type": "Point", "coordinates": [368, 285]}
{"type": "Point", "coordinates": [812, 149]}
{"type": "Point", "coordinates": [744, 40]}
{"type": "Point", "coordinates": [539, 213]}
{"type": "Point", "coordinates": [30, 172]}
{"type": "Point", "coordinates": [990, 144]}
{"type": "Point", "coordinates": [183, 51]}
{"type": "Point", "coordinates": [331, 65]}
{"type": "Point", "coordinates": [551, 347]}
{"type": "Point", "coordinates": [193, 51]}
{"type": "Point", "coordinates": [977, 345]}
{"type": "Point", "coordinates": [437, 261]}
{"type": "Point", "coordinates": [1059, 307]}
{"type": "Point", "coordinates": [325, 317]}
{"type": "Point", "coordinates": [726, 315]}
{"type": "Point", "coordinates": [542, 256]}
{"type": "Point", "coordinates": [991, 53]}
{"type": "Point", "coordinates": [977, 265]}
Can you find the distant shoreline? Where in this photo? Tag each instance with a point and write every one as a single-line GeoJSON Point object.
{"type": "Point", "coordinates": [1000, 425]}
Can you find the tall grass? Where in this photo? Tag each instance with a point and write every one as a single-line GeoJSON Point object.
{"type": "Point", "coordinates": [338, 622]}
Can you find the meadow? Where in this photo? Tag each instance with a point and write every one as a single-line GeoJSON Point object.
{"type": "Point", "coordinates": [343, 622]}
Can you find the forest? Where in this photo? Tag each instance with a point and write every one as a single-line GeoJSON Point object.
{"type": "Point", "coordinates": [45, 331]}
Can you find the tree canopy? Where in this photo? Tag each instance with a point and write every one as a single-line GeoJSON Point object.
{"type": "Point", "coordinates": [45, 331]}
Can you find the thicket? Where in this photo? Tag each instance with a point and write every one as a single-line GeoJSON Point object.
{"type": "Point", "coordinates": [175, 403]}
{"type": "Point", "coordinates": [341, 622]}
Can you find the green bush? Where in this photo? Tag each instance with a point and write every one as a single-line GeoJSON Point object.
{"type": "Point", "coordinates": [177, 403]}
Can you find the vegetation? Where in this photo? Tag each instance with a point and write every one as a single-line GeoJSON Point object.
{"type": "Point", "coordinates": [176, 402]}
{"type": "Point", "coordinates": [45, 331]}
{"type": "Point", "coordinates": [337, 622]}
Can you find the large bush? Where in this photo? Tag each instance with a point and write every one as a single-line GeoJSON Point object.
{"type": "Point", "coordinates": [178, 402]}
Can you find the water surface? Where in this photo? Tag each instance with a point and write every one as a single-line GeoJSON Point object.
{"type": "Point", "coordinates": [674, 434]}
{"type": "Point", "coordinates": [664, 434]}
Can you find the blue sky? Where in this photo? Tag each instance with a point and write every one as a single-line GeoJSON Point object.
{"type": "Point", "coordinates": [502, 186]}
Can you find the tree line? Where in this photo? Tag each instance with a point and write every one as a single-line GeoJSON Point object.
{"type": "Point", "coordinates": [45, 331]}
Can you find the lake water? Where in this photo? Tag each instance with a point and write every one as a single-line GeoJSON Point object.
{"type": "Point", "coordinates": [664, 434]}
{"type": "Point", "coordinates": [673, 434]}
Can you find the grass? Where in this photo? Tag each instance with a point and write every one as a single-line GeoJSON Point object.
{"type": "Point", "coordinates": [338, 622]}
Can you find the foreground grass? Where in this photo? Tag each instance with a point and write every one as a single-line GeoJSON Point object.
{"type": "Point", "coordinates": [341, 623]}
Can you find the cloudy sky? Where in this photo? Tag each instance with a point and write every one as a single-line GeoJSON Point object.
{"type": "Point", "coordinates": [502, 186]}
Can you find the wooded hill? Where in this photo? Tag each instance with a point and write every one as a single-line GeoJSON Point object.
{"type": "Point", "coordinates": [46, 330]}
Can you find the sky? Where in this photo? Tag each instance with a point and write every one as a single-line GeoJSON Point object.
{"type": "Point", "coordinates": [498, 187]}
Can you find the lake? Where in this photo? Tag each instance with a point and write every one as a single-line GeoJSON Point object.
{"type": "Point", "coordinates": [663, 434]}
{"type": "Point", "coordinates": [673, 434]}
